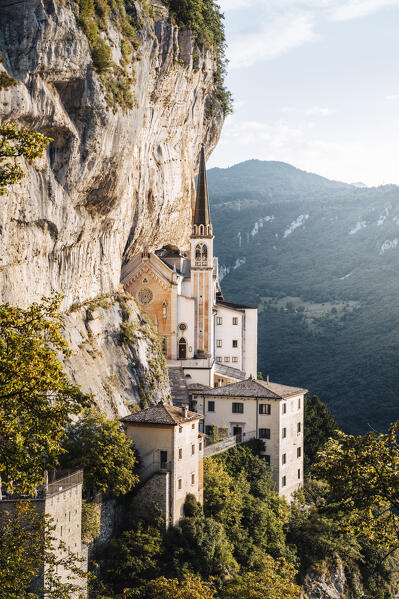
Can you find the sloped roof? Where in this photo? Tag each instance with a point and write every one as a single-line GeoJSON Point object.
{"type": "Point", "coordinates": [161, 414]}
{"type": "Point", "coordinates": [254, 388]}
{"type": "Point", "coordinates": [234, 305]}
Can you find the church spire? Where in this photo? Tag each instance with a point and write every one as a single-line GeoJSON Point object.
{"type": "Point", "coordinates": [201, 213]}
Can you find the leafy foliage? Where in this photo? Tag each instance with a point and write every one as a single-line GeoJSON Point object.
{"type": "Point", "coordinates": [91, 521]}
{"type": "Point", "coordinates": [37, 398]}
{"type": "Point", "coordinates": [6, 81]}
{"type": "Point", "coordinates": [27, 543]}
{"type": "Point", "coordinates": [319, 427]}
{"type": "Point", "coordinates": [276, 581]}
{"type": "Point", "coordinates": [94, 16]}
{"type": "Point", "coordinates": [190, 587]}
{"type": "Point", "coordinates": [18, 142]}
{"type": "Point", "coordinates": [205, 19]}
{"type": "Point", "coordinates": [100, 447]}
{"type": "Point", "coordinates": [363, 474]}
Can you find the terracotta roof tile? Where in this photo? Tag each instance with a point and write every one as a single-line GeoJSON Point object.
{"type": "Point", "coordinates": [161, 414]}
{"type": "Point", "coordinates": [254, 388]}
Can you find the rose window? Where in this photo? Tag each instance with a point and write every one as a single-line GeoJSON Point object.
{"type": "Point", "coordinates": [145, 296]}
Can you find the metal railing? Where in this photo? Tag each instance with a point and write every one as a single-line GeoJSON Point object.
{"type": "Point", "coordinates": [60, 485]}
{"type": "Point", "coordinates": [212, 448]}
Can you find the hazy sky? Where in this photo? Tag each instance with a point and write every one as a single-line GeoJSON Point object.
{"type": "Point", "coordinates": [315, 84]}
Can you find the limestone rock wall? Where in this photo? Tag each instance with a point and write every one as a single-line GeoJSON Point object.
{"type": "Point", "coordinates": [111, 182]}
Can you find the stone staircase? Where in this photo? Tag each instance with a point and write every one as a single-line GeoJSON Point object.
{"type": "Point", "coordinates": [178, 386]}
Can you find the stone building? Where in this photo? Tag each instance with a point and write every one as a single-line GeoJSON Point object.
{"type": "Point", "coordinates": [171, 451]}
{"type": "Point", "coordinates": [263, 410]}
{"type": "Point", "coordinates": [214, 341]}
{"type": "Point", "coordinates": [60, 499]}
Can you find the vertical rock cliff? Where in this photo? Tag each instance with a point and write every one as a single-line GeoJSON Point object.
{"type": "Point", "coordinates": [113, 179]}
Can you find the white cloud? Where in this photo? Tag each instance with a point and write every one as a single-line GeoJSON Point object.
{"type": "Point", "coordinates": [271, 40]}
{"type": "Point", "coordinates": [313, 111]}
{"type": "Point", "coordinates": [345, 11]}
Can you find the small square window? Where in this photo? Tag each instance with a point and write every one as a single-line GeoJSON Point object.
{"type": "Point", "coordinates": [235, 342]}
{"type": "Point", "coordinates": [180, 454]}
{"type": "Point", "coordinates": [265, 408]}
{"type": "Point", "coordinates": [267, 459]}
{"type": "Point", "coordinates": [284, 408]}
{"type": "Point", "coordinates": [211, 406]}
{"type": "Point", "coordinates": [179, 483]}
{"type": "Point", "coordinates": [284, 481]}
{"type": "Point", "coordinates": [227, 359]}
{"type": "Point", "coordinates": [235, 320]}
{"type": "Point", "coordinates": [192, 449]}
{"type": "Point", "coordinates": [219, 320]}
{"type": "Point", "coordinates": [237, 408]}
{"type": "Point", "coordinates": [200, 446]}
{"type": "Point", "coordinates": [284, 459]}
{"type": "Point", "coordinates": [299, 473]}
{"type": "Point", "coordinates": [193, 425]}
{"type": "Point", "coordinates": [234, 359]}
{"type": "Point", "coordinates": [193, 479]}
{"type": "Point", "coordinates": [299, 403]}
{"type": "Point", "coordinates": [218, 343]}
{"type": "Point", "coordinates": [264, 433]}
{"type": "Point", "coordinates": [298, 452]}
{"type": "Point", "coordinates": [284, 433]}
{"type": "Point", "coordinates": [219, 359]}
{"type": "Point", "coordinates": [298, 427]}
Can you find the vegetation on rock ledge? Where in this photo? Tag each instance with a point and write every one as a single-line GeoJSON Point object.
{"type": "Point", "coordinates": [205, 20]}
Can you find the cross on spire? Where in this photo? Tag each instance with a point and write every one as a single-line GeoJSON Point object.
{"type": "Point", "coordinates": [201, 213]}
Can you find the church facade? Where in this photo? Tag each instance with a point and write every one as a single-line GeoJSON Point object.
{"type": "Point", "coordinates": [214, 341]}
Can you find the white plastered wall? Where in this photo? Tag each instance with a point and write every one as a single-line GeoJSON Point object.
{"type": "Point", "coordinates": [226, 333]}
{"type": "Point", "coordinates": [186, 315]}
{"type": "Point", "coordinates": [250, 353]}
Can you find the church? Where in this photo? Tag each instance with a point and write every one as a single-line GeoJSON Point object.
{"type": "Point", "coordinates": [211, 349]}
{"type": "Point", "coordinates": [212, 340]}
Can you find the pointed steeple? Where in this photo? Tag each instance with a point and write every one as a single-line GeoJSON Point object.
{"type": "Point", "coordinates": [201, 213]}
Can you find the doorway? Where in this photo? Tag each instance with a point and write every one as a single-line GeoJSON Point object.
{"type": "Point", "coordinates": [237, 432]}
{"type": "Point", "coordinates": [182, 349]}
{"type": "Point", "coordinates": [163, 459]}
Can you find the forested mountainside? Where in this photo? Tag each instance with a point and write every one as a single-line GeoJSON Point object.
{"type": "Point", "coordinates": [127, 91]}
{"type": "Point", "coordinates": [320, 259]}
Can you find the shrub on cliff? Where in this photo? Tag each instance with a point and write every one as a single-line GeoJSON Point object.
{"type": "Point", "coordinates": [101, 448]}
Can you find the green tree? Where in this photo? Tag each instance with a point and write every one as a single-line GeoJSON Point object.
{"type": "Point", "coordinates": [363, 475]}
{"type": "Point", "coordinates": [37, 398]}
{"type": "Point", "coordinates": [27, 545]}
{"type": "Point", "coordinates": [15, 143]}
{"type": "Point", "coordinates": [190, 587]}
{"type": "Point", "coordinates": [100, 447]}
{"type": "Point", "coordinates": [198, 544]}
{"type": "Point", "coordinates": [275, 581]}
{"type": "Point", "coordinates": [319, 427]}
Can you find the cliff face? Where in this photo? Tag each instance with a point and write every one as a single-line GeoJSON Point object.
{"type": "Point", "coordinates": [113, 180]}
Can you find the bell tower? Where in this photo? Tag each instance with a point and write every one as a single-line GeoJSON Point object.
{"type": "Point", "coordinates": [201, 243]}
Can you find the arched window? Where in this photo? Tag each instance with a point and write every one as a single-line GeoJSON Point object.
{"type": "Point", "coordinates": [164, 346]}
{"type": "Point", "coordinates": [204, 253]}
{"type": "Point", "coordinates": [182, 348]}
{"type": "Point", "coordinates": [198, 252]}
{"type": "Point", "coordinates": [201, 229]}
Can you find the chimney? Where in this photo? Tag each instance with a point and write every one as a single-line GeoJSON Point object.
{"type": "Point", "coordinates": [267, 379]}
{"type": "Point", "coordinates": [185, 408]}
